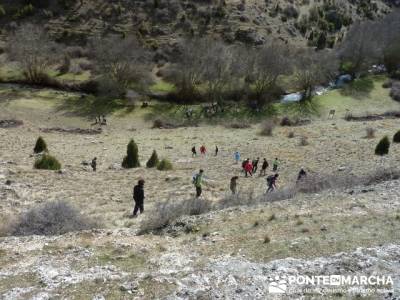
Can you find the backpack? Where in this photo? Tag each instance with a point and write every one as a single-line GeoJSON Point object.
{"type": "Point", "coordinates": [270, 179]}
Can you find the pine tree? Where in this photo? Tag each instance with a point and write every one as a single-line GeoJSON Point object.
{"type": "Point", "coordinates": [40, 146]}
{"type": "Point", "coordinates": [396, 137]}
{"type": "Point", "coordinates": [131, 160]}
{"type": "Point", "coordinates": [153, 160]}
{"type": "Point", "coordinates": [383, 146]}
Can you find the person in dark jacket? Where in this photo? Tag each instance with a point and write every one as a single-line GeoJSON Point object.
{"type": "Point", "coordinates": [194, 152]}
{"type": "Point", "coordinates": [138, 197]}
{"type": "Point", "coordinates": [216, 150]}
{"type": "Point", "coordinates": [264, 167]}
{"type": "Point", "coordinates": [255, 165]}
{"type": "Point", "coordinates": [302, 175]}
{"type": "Point", "coordinates": [93, 164]}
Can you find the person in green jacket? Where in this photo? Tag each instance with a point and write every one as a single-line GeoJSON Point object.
{"type": "Point", "coordinates": [197, 181]}
{"type": "Point", "coordinates": [275, 165]}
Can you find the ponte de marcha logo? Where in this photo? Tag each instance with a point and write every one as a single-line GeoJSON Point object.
{"type": "Point", "coordinates": [281, 284]}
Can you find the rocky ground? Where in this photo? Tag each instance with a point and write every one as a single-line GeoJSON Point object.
{"type": "Point", "coordinates": [228, 254]}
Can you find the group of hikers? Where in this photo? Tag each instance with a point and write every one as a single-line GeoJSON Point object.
{"type": "Point", "coordinates": [249, 167]}
{"type": "Point", "coordinates": [203, 150]}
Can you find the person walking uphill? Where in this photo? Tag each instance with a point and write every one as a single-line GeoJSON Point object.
{"type": "Point", "coordinates": [94, 164]}
{"type": "Point", "coordinates": [248, 168]}
{"type": "Point", "coordinates": [203, 150]}
{"type": "Point", "coordinates": [264, 168]}
{"type": "Point", "coordinates": [138, 197]}
{"type": "Point", "coordinates": [275, 165]}
{"type": "Point", "coordinates": [194, 152]}
{"type": "Point", "coordinates": [237, 156]}
{"type": "Point", "coordinates": [255, 165]}
{"type": "Point", "coordinates": [233, 185]}
{"type": "Point", "coordinates": [271, 182]}
{"type": "Point", "coordinates": [198, 181]}
{"type": "Point", "coordinates": [216, 150]}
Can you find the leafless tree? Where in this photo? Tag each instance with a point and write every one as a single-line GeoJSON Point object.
{"type": "Point", "coordinates": [33, 49]}
{"type": "Point", "coordinates": [267, 65]}
{"type": "Point", "coordinates": [217, 68]}
{"type": "Point", "coordinates": [121, 60]}
{"type": "Point", "coordinates": [360, 48]}
{"type": "Point", "coordinates": [313, 68]}
{"type": "Point", "coordinates": [187, 69]}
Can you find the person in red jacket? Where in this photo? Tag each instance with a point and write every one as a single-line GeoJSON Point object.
{"type": "Point", "coordinates": [203, 150]}
{"type": "Point", "coordinates": [248, 168]}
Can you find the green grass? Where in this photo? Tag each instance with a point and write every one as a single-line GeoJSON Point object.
{"type": "Point", "coordinates": [162, 87]}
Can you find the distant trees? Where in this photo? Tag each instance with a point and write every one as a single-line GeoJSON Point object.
{"type": "Point", "coordinates": [360, 48]}
{"type": "Point", "coordinates": [121, 63]}
{"type": "Point", "coordinates": [32, 48]}
{"type": "Point", "coordinates": [263, 67]}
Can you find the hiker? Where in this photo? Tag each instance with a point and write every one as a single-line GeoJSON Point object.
{"type": "Point", "coordinates": [216, 150]}
{"type": "Point", "coordinates": [271, 182]}
{"type": "Point", "coordinates": [302, 175]}
{"type": "Point", "coordinates": [255, 165]}
{"type": "Point", "coordinates": [237, 156]}
{"type": "Point", "coordinates": [94, 164]}
{"type": "Point", "coordinates": [194, 152]}
{"type": "Point", "coordinates": [275, 165]}
{"type": "Point", "coordinates": [248, 168]}
{"type": "Point", "coordinates": [138, 197]}
{"type": "Point", "coordinates": [197, 181]}
{"type": "Point", "coordinates": [264, 168]}
{"type": "Point", "coordinates": [233, 185]}
{"type": "Point", "coordinates": [203, 150]}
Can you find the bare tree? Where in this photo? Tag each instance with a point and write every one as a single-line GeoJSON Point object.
{"type": "Point", "coordinates": [267, 65]}
{"type": "Point", "coordinates": [122, 60]}
{"type": "Point", "coordinates": [217, 68]}
{"type": "Point", "coordinates": [360, 48]}
{"type": "Point", "coordinates": [32, 48]}
{"type": "Point", "coordinates": [187, 68]}
{"type": "Point", "coordinates": [313, 68]}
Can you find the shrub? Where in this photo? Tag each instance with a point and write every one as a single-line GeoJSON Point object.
{"type": "Point", "coordinates": [52, 218]}
{"type": "Point", "coordinates": [40, 146]}
{"type": "Point", "coordinates": [131, 160]}
{"type": "Point", "coordinates": [370, 133]}
{"type": "Point", "coordinates": [267, 239]}
{"type": "Point", "coordinates": [286, 121]}
{"type": "Point", "coordinates": [153, 160]}
{"type": "Point", "coordinates": [383, 146]}
{"type": "Point", "coordinates": [291, 135]}
{"type": "Point", "coordinates": [267, 128]}
{"type": "Point", "coordinates": [166, 212]}
{"type": "Point", "coordinates": [396, 137]}
{"type": "Point", "coordinates": [164, 165]}
{"type": "Point", "coordinates": [47, 162]}
{"type": "Point", "coordinates": [395, 91]}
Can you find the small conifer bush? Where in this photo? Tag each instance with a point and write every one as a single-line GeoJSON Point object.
{"type": "Point", "coordinates": [383, 146]}
{"type": "Point", "coordinates": [40, 146]}
{"type": "Point", "coordinates": [131, 160]}
{"type": "Point", "coordinates": [396, 137]}
{"type": "Point", "coordinates": [165, 165]}
{"type": "Point", "coordinates": [47, 162]}
{"type": "Point", "coordinates": [153, 160]}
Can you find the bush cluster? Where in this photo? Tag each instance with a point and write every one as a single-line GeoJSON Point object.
{"type": "Point", "coordinates": [52, 218]}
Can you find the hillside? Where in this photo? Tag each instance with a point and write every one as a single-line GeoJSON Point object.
{"type": "Point", "coordinates": [160, 23]}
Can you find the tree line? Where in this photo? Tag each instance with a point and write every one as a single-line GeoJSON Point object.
{"type": "Point", "coordinates": [206, 69]}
